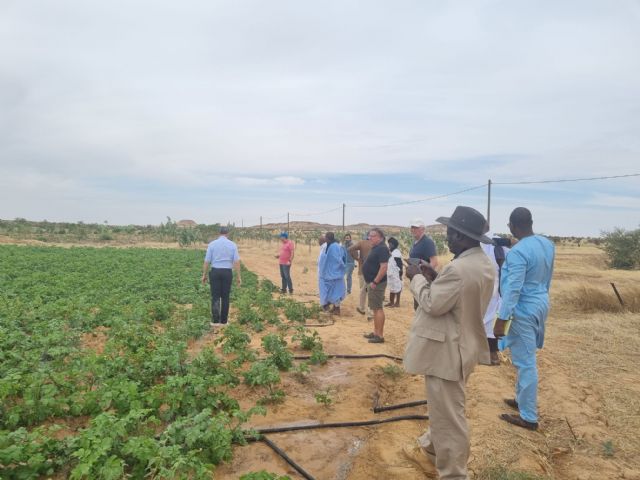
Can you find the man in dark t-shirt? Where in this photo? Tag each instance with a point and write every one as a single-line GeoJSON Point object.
{"type": "Point", "coordinates": [423, 247]}
{"type": "Point", "coordinates": [374, 271]}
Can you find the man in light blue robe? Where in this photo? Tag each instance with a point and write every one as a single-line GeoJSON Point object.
{"type": "Point", "coordinates": [331, 269]}
{"type": "Point", "coordinates": [524, 285]}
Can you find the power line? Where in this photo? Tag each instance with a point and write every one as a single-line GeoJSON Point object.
{"type": "Point", "coordinates": [484, 185]}
{"type": "Point", "coordinates": [316, 213]}
{"type": "Point", "coordinates": [567, 180]}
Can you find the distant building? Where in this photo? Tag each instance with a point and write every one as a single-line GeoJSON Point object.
{"type": "Point", "coordinates": [186, 223]}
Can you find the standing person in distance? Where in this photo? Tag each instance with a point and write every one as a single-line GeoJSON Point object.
{"type": "Point", "coordinates": [496, 254]}
{"type": "Point", "coordinates": [222, 256]}
{"type": "Point", "coordinates": [350, 262]}
{"type": "Point", "coordinates": [374, 271]}
{"type": "Point", "coordinates": [524, 285]}
{"type": "Point", "coordinates": [447, 340]}
{"type": "Point", "coordinates": [285, 258]}
{"type": "Point", "coordinates": [331, 274]}
{"type": "Point", "coordinates": [423, 246]}
{"type": "Point", "coordinates": [394, 273]}
{"type": "Point", "coordinates": [359, 252]}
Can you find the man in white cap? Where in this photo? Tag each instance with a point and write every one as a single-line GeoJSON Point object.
{"type": "Point", "coordinates": [423, 246]}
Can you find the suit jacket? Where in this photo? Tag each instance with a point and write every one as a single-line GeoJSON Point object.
{"type": "Point", "coordinates": [447, 337]}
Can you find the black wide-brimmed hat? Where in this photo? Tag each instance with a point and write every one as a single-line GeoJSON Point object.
{"type": "Point", "coordinates": [468, 221]}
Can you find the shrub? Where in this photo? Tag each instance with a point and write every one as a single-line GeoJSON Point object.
{"type": "Point", "coordinates": [623, 248]}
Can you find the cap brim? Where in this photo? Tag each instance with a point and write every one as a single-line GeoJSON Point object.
{"type": "Point", "coordinates": [481, 238]}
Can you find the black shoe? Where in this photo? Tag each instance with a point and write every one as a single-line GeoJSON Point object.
{"type": "Point", "coordinates": [376, 339]}
{"type": "Point", "coordinates": [511, 402]}
{"type": "Point", "coordinates": [369, 335]}
{"type": "Point", "coordinates": [518, 421]}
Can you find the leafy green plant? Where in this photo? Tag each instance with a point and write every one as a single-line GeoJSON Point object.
{"type": "Point", "coordinates": [276, 346]}
{"type": "Point", "coordinates": [265, 373]}
{"type": "Point", "coordinates": [308, 341]}
{"type": "Point", "coordinates": [393, 371]}
{"type": "Point", "coordinates": [318, 357]}
{"type": "Point", "coordinates": [324, 397]}
{"type": "Point", "coordinates": [263, 475]}
{"type": "Point", "coordinates": [608, 449]}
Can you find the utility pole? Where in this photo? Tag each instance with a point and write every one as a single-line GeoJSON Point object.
{"type": "Point", "coordinates": [489, 203]}
{"type": "Point", "coordinates": [260, 222]}
{"type": "Point", "coordinates": [287, 222]}
{"type": "Point", "coordinates": [343, 208]}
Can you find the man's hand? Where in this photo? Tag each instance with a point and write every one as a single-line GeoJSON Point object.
{"type": "Point", "coordinates": [239, 280]}
{"type": "Point", "coordinates": [204, 278]}
{"type": "Point", "coordinates": [428, 271]}
{"type": "Point", "coordinates": [412, 270]}
{"type": "Point", "coordinates": [498, 328]}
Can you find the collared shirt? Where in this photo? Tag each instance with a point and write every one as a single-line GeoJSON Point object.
{"type": "Point", "coordinates": [222, 253]}
{"type": "Point", "coordinates": [423, 248]}
{"type": "Point", "coordinates": [286, 251]}
{"type": "Point", "coordinates": [526, 279]}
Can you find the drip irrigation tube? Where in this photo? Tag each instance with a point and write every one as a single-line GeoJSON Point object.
{"type": "Point", "coordinates": [364, 423]}
{"type": "Point", "coordinates": [377, 355]}
{"type": "Point", "coordinates": [287, 458]}
{"type": "Point", "coordinates": [377, 409]}
{"type": "Point", "coordinates": [253, 438]}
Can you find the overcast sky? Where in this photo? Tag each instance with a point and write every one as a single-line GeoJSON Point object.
{"type": "Point", "coordinates": [132, 111]}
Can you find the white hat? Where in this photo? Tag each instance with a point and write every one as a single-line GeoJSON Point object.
{"type": "Point", "coordinates": [417, 222]}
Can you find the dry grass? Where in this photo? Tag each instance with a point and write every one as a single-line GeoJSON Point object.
{"type": "Point", "coordinates": [587, 299]}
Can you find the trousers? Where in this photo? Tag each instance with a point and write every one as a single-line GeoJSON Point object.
{"type": "Point", "coordinates": [446, 441]}
{"type": "Point", "coordinates": [285, 275]}
{"type": "Point", "coordinates": [220, 283]}
{"type": "Point", "coordinates": [523, 344]}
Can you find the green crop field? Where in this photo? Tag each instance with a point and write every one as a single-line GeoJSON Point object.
{"type": "Point", "coordinates": [139, 406]}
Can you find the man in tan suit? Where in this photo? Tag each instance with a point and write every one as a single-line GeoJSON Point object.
{"type": "Point", "coordinates": [447, 339]}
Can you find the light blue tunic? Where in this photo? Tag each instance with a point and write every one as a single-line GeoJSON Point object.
{"type": "Point", "coordinates": [331, 268]}
{"type": "Point", "coordinates": [524, 285]}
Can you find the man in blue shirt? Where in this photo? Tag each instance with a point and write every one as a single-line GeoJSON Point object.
{"type": "Point", "coordinates": [423, 247]}
{"type": "Point", "coordinates": [524, 286]}
{"type": "Point", "coordinates": [222, 255]}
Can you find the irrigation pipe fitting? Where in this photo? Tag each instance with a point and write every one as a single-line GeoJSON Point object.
{"type": "Point", "coordinates": [377, 409]}
{"type": "Point", "coordinates": [376, 355]}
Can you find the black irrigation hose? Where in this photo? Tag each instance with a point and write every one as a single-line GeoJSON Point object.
{"type": "Point", "coordinates": [365, 423]}
{"type": "Point", "coordinates": [377, 355]}
{"type": "Point", "coordinates": [298, 468]}
{"type": "Point", "coordinates": [326, 324]}
{"type": "Point", "coordinates": [378, 409]}
{"type": "Point", "coordinates": [287, 458]}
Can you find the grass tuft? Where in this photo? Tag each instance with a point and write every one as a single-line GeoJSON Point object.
{"type": "Point", "coordinates": [589, 299]}
{"type": "Point", "coordinates": [501, 473]}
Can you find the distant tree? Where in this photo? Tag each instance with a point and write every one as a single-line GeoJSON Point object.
{"type": "Point", "coordinates": [623, 248]}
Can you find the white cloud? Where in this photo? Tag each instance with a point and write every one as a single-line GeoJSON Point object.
{"type": "Point", "coordinates": [288, 94]}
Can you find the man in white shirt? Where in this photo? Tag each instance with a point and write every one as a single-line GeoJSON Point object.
{"type": "Point", "coordinates": [222, 255]}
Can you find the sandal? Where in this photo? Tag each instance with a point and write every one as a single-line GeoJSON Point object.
{"type": "Point", "coordinates": [518, 421]}
{"type": "Point", "coordinates": [369, 335]}
{"type": "Point", "coordinates": [376, 339]}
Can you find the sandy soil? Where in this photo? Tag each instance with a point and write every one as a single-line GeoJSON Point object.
{"type": "Point", "coordinates": [588, 391]}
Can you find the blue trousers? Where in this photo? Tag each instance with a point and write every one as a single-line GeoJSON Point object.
{"type": "Point", "coordinates": [522, 342]}
{"type": "Point", "coordinates": [285, 275]}
{"type": "Point", "coordinates": [349, 273]}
